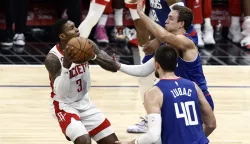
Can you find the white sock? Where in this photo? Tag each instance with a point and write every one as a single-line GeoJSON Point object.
{"type": "Point", "coordinates": [246, 17]}
{"type": "Point", "coordinates": [208, 22]}
{"type": "Point", "coordinates": [134, 14]}
{"type": "Point", "coordinates": [235, 21]}
{"type": "Point", "coordinates": [94, 14]}
{"type": "Point", "coordinates": [119, 17]}
{"type": "Point", "coordinates": [197, 26]}
{"type": "Point", "coordinates": [103, 20]}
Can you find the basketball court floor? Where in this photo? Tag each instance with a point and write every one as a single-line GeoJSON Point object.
{"type": "Point", "coordinates": [25, 116]}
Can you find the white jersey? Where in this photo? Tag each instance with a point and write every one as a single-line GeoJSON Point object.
{"type": "Point", "coordinates": [79, 82]}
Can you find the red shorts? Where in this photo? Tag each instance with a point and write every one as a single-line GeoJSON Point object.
{"type": "Point", "coordinates": [76, 122]}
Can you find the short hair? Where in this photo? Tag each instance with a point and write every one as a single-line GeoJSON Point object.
{"type": "Point", "coordinates": [167, 57]}
{"type": "Point", "coordinates": [185, 14]}
{"type": "Point", "coordinates": [58, 28]}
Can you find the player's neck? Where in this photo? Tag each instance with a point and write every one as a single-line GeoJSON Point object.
{"type": "Point", "coordinates": [62, 45]}
{"type": "Point", "coordinates": [180, 32]}
{"type": "Point", "coordinates": [167, 75]}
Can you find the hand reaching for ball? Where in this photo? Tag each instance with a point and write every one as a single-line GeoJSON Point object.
{"type": "Point", "coordinates": [68, 56]}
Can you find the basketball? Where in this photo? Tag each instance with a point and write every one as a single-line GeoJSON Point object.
{"type": "Point", "coordinates": [84, 48]}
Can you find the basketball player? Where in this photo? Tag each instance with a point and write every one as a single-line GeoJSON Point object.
{"type": "Point", "coordinates": [78, 118]}
{"type": "Point", "coordinates": [189, 61]}
{"type": "Point", "coordinates": [175, 106]}
{"type": "Point", "coordinates": [159, 13]}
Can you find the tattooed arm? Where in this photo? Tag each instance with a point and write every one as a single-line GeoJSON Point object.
{"type": "Point", "coordinates": [59, 76]}
{"type": "Point", "coordinates": [104, 60]}
{"type": "Point", "coordinates": [53, 66]}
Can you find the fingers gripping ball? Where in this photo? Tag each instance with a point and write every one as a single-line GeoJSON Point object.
{"type": "Point", "coordinates": [82, 48]}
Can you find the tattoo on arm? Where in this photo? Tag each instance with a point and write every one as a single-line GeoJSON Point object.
{"type": "Point", "coordinates": [53, 66]}
{"type": "Point", "coordinates": [96, 48]}
{"type": "Point", "coordinates": [104, 60]}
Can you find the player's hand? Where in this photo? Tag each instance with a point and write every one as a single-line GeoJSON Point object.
{"type": "Point", "coordinates": [68, 56]}
{"type": "Point", "coordinates": [140, 5]}
{"type": "Point", "coordinates": [118, 65]}
{"type": "Point", "coordinates": [151, 46]}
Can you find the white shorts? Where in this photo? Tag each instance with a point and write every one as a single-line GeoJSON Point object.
{"type": "Point", "coordinates": [75, 122]}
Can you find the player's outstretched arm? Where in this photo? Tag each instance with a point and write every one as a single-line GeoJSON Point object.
{"type": "Point", "coordinates": [142, 70]}
{"type": "Point", "coordinates": [153, 100]}
{"type": "Point", "coordinates": [59, 76]}
{"type": "Point", "coordinates": [104, 60]}
{"type": "Point", "coordinates": [207, 114]}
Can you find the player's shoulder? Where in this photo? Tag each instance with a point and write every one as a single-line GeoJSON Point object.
{"type": "Point", "coordinates": [151, 93]}
{"type": "Point", "coordinates": [52, 58]}
{"type": "Point", "coordinates": [187, 82]}
{"type": "Point", "coordinates": [52, 53]}
{"type": "Point", "coordinates": [187, 41]}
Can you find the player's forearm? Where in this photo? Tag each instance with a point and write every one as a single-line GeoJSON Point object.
{"type": "Point", "coordinates": [62, 83]}
{"type": "Point", "coordinates": [139, 70]}
{"type": "Point", "coordinates": [209, 121]}
{"type": "Point", "coordinates": [154, 133]}
{"type": "Point", "coordinates": [142, 34]}
{"type": "Point", "coordinates": [208, 129]}
{"type": "Point", "coordinates": [155, 29]}
{"type": "Point", "coordinates": [106, 62]}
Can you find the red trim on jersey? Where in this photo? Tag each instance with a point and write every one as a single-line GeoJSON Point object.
{"type": "Point", "coordinates": [58, 48]}
{"type": "Point", "coordinates": [52, 94]}
{"type": "Point", "coordinates": [208, 94]}
{"type": "Point", "coordinates": [64, 118]}
{"type": "Point", "coordinates": [101, 127]}
{"type": "Point", "coordinates": [193, 33]}
{"type": "Point", "coordinates": [171, 79]}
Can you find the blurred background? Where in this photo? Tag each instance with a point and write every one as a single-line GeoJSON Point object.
{"type": "Point", "coordinates": [26, 35]}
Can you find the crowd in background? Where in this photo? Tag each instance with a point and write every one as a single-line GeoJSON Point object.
{"type": "Point", "coordinates": [16, 12]}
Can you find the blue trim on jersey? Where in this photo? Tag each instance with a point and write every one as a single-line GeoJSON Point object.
{"type": "Point", "coordinates": [147, 58]}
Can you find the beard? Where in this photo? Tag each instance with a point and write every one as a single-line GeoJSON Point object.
{"type": "Point", "coordinates": [157, 74]}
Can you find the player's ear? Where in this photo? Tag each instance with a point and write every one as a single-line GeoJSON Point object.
{"type": "Point", "coordinates": [157, 65]}
{"type": "Point", "coordinates": [62, 36]}
{"type": "Point", "coordinates": [181, 24]}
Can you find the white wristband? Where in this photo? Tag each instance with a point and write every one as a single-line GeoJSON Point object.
{"type": "Point", "coordinates": [94, 57]}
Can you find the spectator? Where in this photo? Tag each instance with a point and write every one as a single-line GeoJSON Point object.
{"type": "Point", "coordinates": [118, 6]}
{"type": "Point", "coordinates": [15, 11]}
{"type": "Point", "coordinates": [100, 33]}
{"type": "Point", "coordinates": [202, 8]}
{"type": "Point", "coordinates": [234, 33]}
{"type": "Point", "coordinates": [73, 10]}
